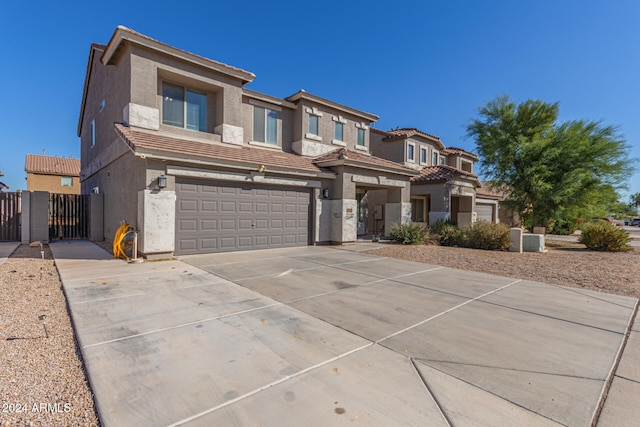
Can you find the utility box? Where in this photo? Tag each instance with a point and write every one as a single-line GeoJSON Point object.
{"type": "Point", "coordinates": [533, 243]}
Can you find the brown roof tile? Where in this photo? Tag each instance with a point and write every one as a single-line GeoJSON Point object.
{"type": "Point", "coordinates": [441, 173]}
{"type": "Point", "coordinates": [146, 142]}
{"type": "Point", "coordinates": [354, 157]}
{"type": "Point", "coordinates": [456, 150]}
{"type": "Point", "coordinates": [50, 165]}
{"type": "Point", "coordinates": [409, 132]}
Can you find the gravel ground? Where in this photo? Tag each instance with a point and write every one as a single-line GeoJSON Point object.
{"type": "Point", "coordinates": [565, 263]}
{"type": "Point", "coordinates": [42, 381]}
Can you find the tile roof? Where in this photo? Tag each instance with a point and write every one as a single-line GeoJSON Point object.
{"type": "Point", "coordinates": [146, 142]}
{"type": "Point", "coordinates": [456, 150]}
{"type": "Point", "coordinates": [351, 157]}
{"type": "Point", "coordinates": [441, 173]}
{"type": "Point", "coordinates": [487, 191]}
{"type": "Point", "coordinates": [50, 165]}
{"type": "Point", "coordinates": [408, 133]}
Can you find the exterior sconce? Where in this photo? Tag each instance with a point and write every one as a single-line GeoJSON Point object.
{"type": "Point", "coordinates": [261, 168]}
{"type": "Point", "coordinates": [162, 181]}
{"type": "Point", "coordinates": [325, 193]}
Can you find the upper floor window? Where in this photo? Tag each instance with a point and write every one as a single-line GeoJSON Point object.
{"type": "Point", "coordinates": [93, 132]}
{"type": "Point", "coordinates": [265, 125]}
{"type": "Point", "coordinates": [466, 166]}
{"type": "Point", "coordinates": [360, 141]}
{"type": "Point", "coordinates": [434, 158]}
{"type": "Point", "coordinates": [338, 133]}
{"type": "Point", "coordinates": [443, 160]}
{"type": "Point", "coordinates": [423, 156]}
{"type": "Point", "coordinates": [410, 152]}
{"type": "Point", "coordinates": [183, 107]}
{"type": "Point", "coordinates": [66, 181]}
{"type": "Point", "coordinates": [313, 124]}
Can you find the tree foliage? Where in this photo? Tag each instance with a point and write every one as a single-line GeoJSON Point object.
{"type": "Point", "coordinates": [556, 172]}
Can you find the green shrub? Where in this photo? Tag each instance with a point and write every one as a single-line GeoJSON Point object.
{"type": "Point", "coordinates": [487, 235]}
{"type": "Point", "coordinates": [409, 234]}
{"type": "Point", "coordinates": [604, 236]}
{"type": "Point", "coordinates": [448, 234]}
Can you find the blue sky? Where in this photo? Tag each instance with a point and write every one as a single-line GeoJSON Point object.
{"type": "Point", "coordinates": [425, 64]}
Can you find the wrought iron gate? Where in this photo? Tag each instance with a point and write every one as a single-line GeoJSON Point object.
{"type": "Point", "coordinates": [68, 216]}
{"type": "Point", "coordinates": [10, 211]}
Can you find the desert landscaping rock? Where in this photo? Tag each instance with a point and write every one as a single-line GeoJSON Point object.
{"type": "Point", "coordinates": [565, 264]}
{"type": "Point", "coordinates": [42, 381]}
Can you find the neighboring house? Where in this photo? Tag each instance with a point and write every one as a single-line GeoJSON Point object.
{"type": "Point", "coordinates": [447, 188]}
{"type": "Point", "coordinates": [53, 174]}
{"type": "Point", "coordinates": [198, 163]}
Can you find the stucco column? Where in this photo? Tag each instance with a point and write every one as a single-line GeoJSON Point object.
{"type": "Point", "coordinates": [156, 222]}
{"type": "Point", "coordinates": [39, 217]}
{"type": "Point", "coordinates": [397, 210]}
{"type": "Point", "coordinates": [228, 122]}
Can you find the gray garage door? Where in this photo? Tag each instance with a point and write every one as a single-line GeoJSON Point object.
{"type": "Point", "coordinates": [218, 217]}
{"type": "Point", "coordinates": [484, 211]}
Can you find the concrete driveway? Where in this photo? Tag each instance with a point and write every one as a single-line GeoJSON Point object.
{"type": "Point", "coordinates": [6, 249]}
{"type": "Point", "coordinates": [319, 336]}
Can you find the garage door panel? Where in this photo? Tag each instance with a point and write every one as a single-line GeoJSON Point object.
{"type": "Point", "coordinates": [188, 225]}
{"type": "Point", "coordinates": [209, 206]}
{"type": "Point", "coordinates": [214, 217]}
{"type": "Point", "coordinates": [484, 211]}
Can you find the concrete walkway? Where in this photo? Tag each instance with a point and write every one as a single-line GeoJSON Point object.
{"type": "Point", "coordinates": [6, 249]}
{"type": "Point", "coordinates": [318, 336]}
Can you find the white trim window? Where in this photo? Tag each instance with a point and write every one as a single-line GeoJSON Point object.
{"type": "Point", "coordinates": [182, 107]}
{"type": "Point", "coordinates": [265, 125]}
{"type": "Point", "coordinates": [423, 156]}
{"type": "Point", "coordinates": [411, 152]}
{"type": "Point", "coordinates": [66, 181]}
{"type": "Point", "coordinates": [434, 158]}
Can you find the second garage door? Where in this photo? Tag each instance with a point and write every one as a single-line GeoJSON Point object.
{"type": "Point", "coordinates": [485, 212]}
{"type": "Point", "coordinates": [230, 217]}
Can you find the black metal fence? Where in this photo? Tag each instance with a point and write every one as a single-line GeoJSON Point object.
{"type": "Point", "coordinates": [10, 211]}
{"type": "Point", "coordinates": [68, 216]}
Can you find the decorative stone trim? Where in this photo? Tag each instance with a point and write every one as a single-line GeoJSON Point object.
{"type": "Point", "coordinates": [313, 110]}
{"type": "Point", "coordinates": [312, 137]}
{"type": "Point", "coordinates": [338, 142]}
{"type": "Point", "coordinates": [339, 119]}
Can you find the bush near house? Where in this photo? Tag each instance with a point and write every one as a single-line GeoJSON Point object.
{"type": "Point", "coordinates": [410, 234]}
{"type": "Point", "coordinates": [480, 235]}
{"type": "Point", "coordinates": [487, 235]}
{"type": "Point", "coordinates": [604, 236]}
{"type": "Point", "coordinates": [448, 234]}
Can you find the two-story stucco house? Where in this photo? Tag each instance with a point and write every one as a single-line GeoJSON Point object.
{"type": "Point", "coordinates": [197, 162]}
{"type": "Point", "coordinates": [58, 175]}
{"type": "Point", "coordinates": [446, 188]}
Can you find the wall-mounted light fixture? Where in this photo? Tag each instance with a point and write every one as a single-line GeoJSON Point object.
{"type": "Point", "coordinates": [325, 193]}
{"type": "Point", "coordinates": [162, 181]}
{"type": "Point", "coordinates": [261, 168]}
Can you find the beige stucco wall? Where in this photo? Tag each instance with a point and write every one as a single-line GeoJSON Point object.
{"type": "Point", "coordinates": [52, 184]}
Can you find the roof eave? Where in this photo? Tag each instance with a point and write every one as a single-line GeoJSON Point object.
{"type": "Point", "coordinates": [331, 104]}
{"type": "Point", "coordinates": [123, 34]}
{"type": "Point", "coordinates": [248, 166]}
{"type": "Point", "coordinates": [363, 165]}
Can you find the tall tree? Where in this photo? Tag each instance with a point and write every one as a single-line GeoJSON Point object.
{"type": "Point", "coordinates": [554, 170]}
{"type": "Point", "coordinates": [635, 200]}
